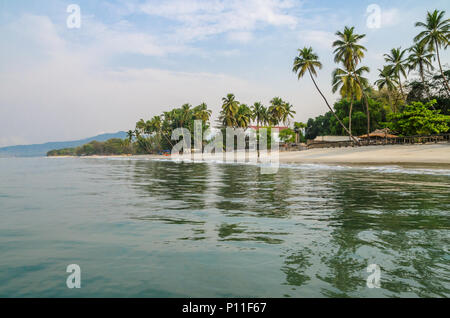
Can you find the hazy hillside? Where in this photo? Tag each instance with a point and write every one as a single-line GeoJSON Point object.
{"type": "Point", "coordinates": [42, 149]}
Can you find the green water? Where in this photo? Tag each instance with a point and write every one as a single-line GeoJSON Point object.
{"type": "Point", "coordinates": [162, 229]}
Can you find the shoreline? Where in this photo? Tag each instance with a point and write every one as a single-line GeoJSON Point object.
{"type": "Point", "coordinates": [420, 155]}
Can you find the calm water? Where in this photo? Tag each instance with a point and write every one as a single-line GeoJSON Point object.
{"type": "Point", "coordinates": [163, 229]}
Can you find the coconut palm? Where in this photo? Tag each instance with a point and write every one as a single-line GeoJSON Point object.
{"type": "Point", "coordinates": [435, 35]}
{"type": "Point", "coordinates": [388, 79]}
{"type": "Point", "coordinates": [306, 62]}
{"type": "Point", "coordinates": [419, 59]}
{"type": "Point", "coordinates": [344, 81]}
{"type": "Point", "coordinates": [351, 53]}
{"type": "Point", "coordinates": [398, 62]}
{"type": "Point", "coordinates": [230, 108]}
{"type": "Point", "coordinates": [130, 136]}
{"type": "Point", "coordinates": [276, 110]}
{"type": "Point", "coordinates": [243, 116]}
{"type": "Point", "coordinates": [258, 113]}
{"type": "Point", "coordinates": [202, 112]}
{"type": "Point", "coordinates": [288, 113]}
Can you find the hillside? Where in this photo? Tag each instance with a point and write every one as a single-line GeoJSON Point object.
{"type": "Point", "coordinates": [38, 150]}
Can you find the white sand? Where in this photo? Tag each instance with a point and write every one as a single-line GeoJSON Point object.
{"type": "Point", "coordinates": [428, 154]}
{"type": "Point", "coordinates": [389, 154]}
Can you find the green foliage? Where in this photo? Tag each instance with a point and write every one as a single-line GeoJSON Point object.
{"type": "Point", "coordinates": [419, 119]}
{"type": "Point", "coordinates": [328, 125]}
{"type": "Point", "coordinates": [114, 146]}
{"type": "Point", "coordinates": [287, 135]}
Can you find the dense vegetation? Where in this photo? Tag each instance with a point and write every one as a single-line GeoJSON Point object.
{"type": "Point", "coordinates": [408, 105]}
{"type": "Point", "coordinates": [393, 93]}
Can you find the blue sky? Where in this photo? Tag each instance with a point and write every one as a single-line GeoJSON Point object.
{"type": "Point", "coordinates": [134, 59]}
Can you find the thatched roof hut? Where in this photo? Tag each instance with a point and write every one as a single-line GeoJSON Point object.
{"type": "Point", "coordinates": [379, 133]}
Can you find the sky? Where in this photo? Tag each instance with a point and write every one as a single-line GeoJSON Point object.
{"type": "Point", "coordinates": [135, 59]}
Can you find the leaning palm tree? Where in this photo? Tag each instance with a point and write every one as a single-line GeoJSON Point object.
{"type": "Point", "coordinates": [351, 53]}
{"type": "Point", "coordinates": [344, 81]}
{"type": "Point", "coordinates": [435, 35]}
{"type": "Point", "coordinates": [388, 79]}
{"type": "Point", "coordinates": [398, 62]}
{"type": "Point", "coordinates": [230, 108]}
{"type": "Point", "coordinates": [419, 59]}
{"type": "Point", "coordinates": [306, 62]}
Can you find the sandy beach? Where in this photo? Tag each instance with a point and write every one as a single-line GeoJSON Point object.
{"type": "Point", "coordinates": [423, 155]}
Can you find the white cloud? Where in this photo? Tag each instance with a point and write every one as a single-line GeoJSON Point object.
{"type": "Point", "coordinates": [322, 39]}
{"type": "Point", "coordinates": [200, 19]}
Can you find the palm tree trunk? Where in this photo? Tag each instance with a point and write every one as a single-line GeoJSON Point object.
{"type": "Point", "coordinates": [337, 118]}
{"type": "Point", "coordinates": [401, 87]}
{"type": "Point", "coordinates": [442, 72]}
{"type": "Point", "coordinates": [257, 135]}
{"type": "Point", "coordinates": [350, 116]}
{"type": "Point", "coordinates": [365, 102]}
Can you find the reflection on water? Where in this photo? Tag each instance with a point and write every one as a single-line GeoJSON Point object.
{"type": "Point", "coordinates": [159, 228]}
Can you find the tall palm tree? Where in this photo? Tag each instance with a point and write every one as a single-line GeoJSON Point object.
{"type": "Point", "coordinates": [230, 108]}
{"type": "Point", "coordinates": [288, 113]}
{"type": "Point", "coordinates": [243, 116]}
{"type": "Point", "coordinates": [435, 35]}
{"type": "Point", "coordinates": [202, 112]}
{"type": "Point", "coordinates": [399, 65]}
{"type": "Point", "coordinates": [388, 79]}
{"type": "Point", "coordinates": [276, 110]}
{"type": "Point", "coordinates": [419, 59]}
{"type": "Point", "coordinates": [306, 62]}
{"type": "Point", "coordinates": [130, 136]}
{"type": "Point", "coordinates": [344, 81]}
{"type": "Point", "coordinates": [258, 113]}
{"type": "Point", "coordinates": [351, 53]}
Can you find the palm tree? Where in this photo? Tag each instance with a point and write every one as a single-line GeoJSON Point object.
{"type": "Point", "coordinates": [130, 136]}
{"type": "Point", "coordinates": [288, 112]}
{"type": "Point", "coordinates": [351, 53]}
{"type": "Point", "coordinates": [398, 62]}
{"type": "Point", "coordinates": [307, 62]}
{"type": "Point", "coordinates": [276, 110]}
{"type": "Point", "coordinates": [258, 113]}
{"type": "Point", "coordinates": [420, 59]}
{"type": "Point", "coordinates": [388, 79]}
{"type": "Point", "coordinates": [230, 108]}
{"type": "Point", "coordinates": [202, 112]}
{"type": "Point", "coordinates": [435, 35]}
{"type": "Point", "coordinates": [243, 116]}
{"type": "Point", "coordinates": [344, 81]}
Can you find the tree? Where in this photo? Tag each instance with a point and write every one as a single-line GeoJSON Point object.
{"type": "Point", "coordinates": [351, 53]}
{"type": "Point", "coordinates": [344, 81]}
{"type": "Point", "coordinates": [258, 113]}
{"type": "Point", "coordinates": [307, 62]}
{"type": "Point", "coordinates": [420, 59]}
{"type": "Point", "coordinates": [230, 108]}
{"type": "Point", "coordinates": [288, 113]}
{"type": "Point", "coordinates": [388, 79]}
{"type": "Point", "coordinates": [418, 119]}
{"type": "Point", "coordinates": [243, 116]}
{"type": "Point", "coordinates": [435, 35]}
{"type": "Point", "coordinates": [399, 65]}
{"type": "Point", "coordinates": [276, 110]}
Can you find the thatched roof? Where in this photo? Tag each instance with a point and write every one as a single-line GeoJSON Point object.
{"type": "Point", "coordinates": [380, 133]}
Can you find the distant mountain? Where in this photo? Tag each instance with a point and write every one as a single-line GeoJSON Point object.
{"type": "Point", "coordinates": [39, 150]}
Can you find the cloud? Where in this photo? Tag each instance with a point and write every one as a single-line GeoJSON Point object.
{"type": "Point", "coordinates": [200, 19]}
{"type": "Point", "coordinates": [64, 91]}
{"type": "Point", "coordinates": [322, 39]}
